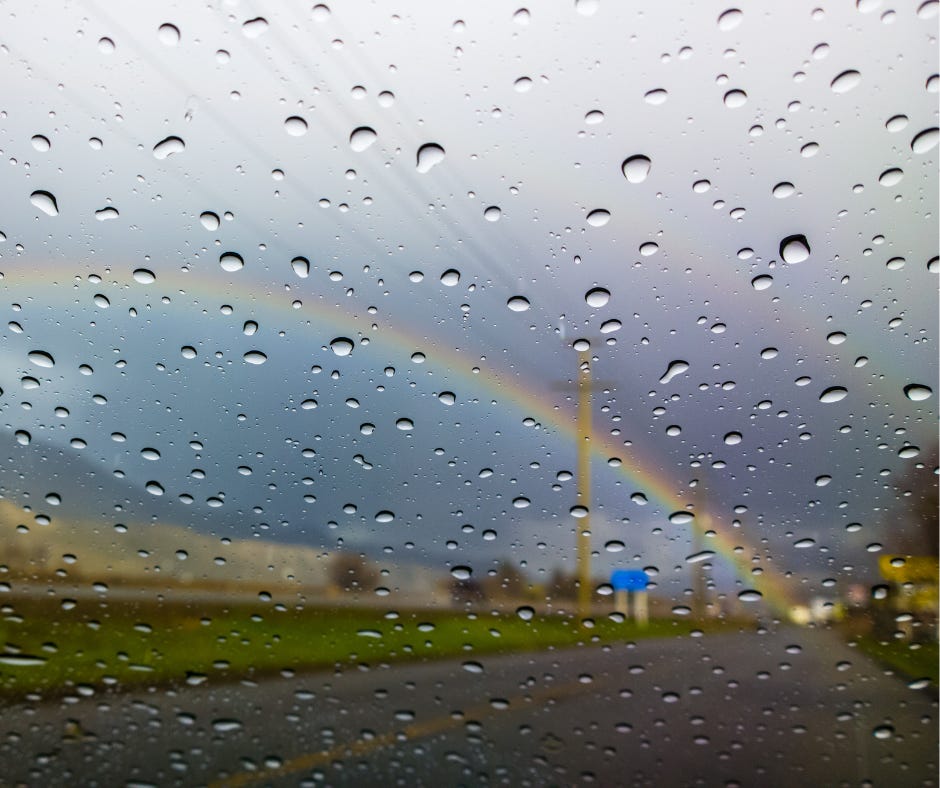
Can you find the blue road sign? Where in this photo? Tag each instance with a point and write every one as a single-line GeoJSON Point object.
{"type": "Point", "coordinates": [629, 580]}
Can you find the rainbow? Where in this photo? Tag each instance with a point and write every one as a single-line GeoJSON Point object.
{"type": "Point", "coordinates": [640, 471]}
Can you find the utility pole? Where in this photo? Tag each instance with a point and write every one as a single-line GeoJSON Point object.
{"type": "Point", "coordinates": [584, 483]}
{"type": "Point", "coordinates": [585, 385]}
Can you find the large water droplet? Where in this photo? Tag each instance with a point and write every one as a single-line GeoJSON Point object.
{"type": "Point", "coordinates": [675, 368]}
{"type": "Point", "coordinates": [301, 266]}
{"type": "Point", "coordinates": [730, 19]}
{"type": "Point", "coordinates": [917, 392]}
{"type": "Point", "coordinates": [168, 146]}
{"type": "Point", "coordinates": [681, 518]}
{"type": "Point", "coordinates": [405, 425]}
{"type": "Point", "coordinates": [342, 346]}
{"type": "Point", "coordinates": [362, 138]}
{"type": "Point", "coordinates": [518, 303]}
{"type": "Point", "coordinates": [450, 277]}
{"type": "Point", "coordinates": [231, 262]}
{"type": "Point", "coordinates": [144, 276]}
{"type": "Point", "coordinates": [891, 177]}
{"type": "Point", "coordinates": [597, 297]}
{"type": "Point", "coordinates": [925, 141]}
{"type": "Point", "coordinates": [254, 27]}
{"type": "Point", "coordinates": [45, 202]}
{"type": "Point", "coordinates": [636, 168]}
{"type": "Point", "coordinates": [209, 220]}
{"type": "Point", "coordinates": [41, 143]}
{"type": "Point", "coordinates": [41, 358]}
{"type": "Point", "coordinates": [845, 81]}
{"type": "Point", "coordinates": [598, 217]}
{"type": "Point", "coordinates": [385, 516]}
{"type": "Point", "coordinates": [794, 249]}
{"type": "Point", "coordinates": [735, 99]}
{"type": "Point", "coordinates": [429, 155]}
{"type": "Point", "coordinates": [833, 394]}
{"type": "Point", "coordinates": [168, 35]}
{"type": "Point", "coordinates": [255, 357]}
{"type": "Point", "coordinates": [656, 97]}
{"type": "Point", "coordinates": [295, 126]}
{"type": "Point", "coordinates": [492, 213]}
{"type": "Point", "coordinates": [104, 214]}
{"type": "Point", "coordinates": [750, 596]}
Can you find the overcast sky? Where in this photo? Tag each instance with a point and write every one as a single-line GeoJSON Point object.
{"type": "Point", "coordinates": [754, 134]}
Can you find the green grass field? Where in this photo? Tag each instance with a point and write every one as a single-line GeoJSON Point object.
{"type": "Point", "coordinates": [47, 650]}
{"type": "Point", "coordinates": [909, 660]}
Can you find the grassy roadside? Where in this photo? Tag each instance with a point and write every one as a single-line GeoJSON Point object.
{"type": "Point", "coordinates": [909, 660]}
{"type": "Point", "coordinates": [47, 650]}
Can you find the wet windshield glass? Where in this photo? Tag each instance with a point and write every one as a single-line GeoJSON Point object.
{"type": "Point", "coordinates": [468, 393]}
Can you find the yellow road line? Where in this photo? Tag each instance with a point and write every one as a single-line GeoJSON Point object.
{"type": "Point", "coordinates": [416, 730]}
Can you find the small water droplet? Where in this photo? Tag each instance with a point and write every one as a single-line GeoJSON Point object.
{"type": "Point", "coordinates": [461, 572]}
{"type": "Point", "coordinates": [762, 282]}
{"type": "Point", "coordinates": [525, 612]}
{"type": "Point", "coordinates": [385, 516]}
{"type": "Point", "coordinates": [750, 595]}
{"type": "Point", "coordinates": [405, 425]}
{"type": "Point", "coordinates": [521, 502]}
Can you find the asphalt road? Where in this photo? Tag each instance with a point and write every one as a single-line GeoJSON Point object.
{"type": "Point", "coordinates": [787, 708]}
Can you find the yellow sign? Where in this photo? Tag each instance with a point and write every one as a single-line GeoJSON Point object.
{"type": "Point", "coordinates": [909, 568]}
